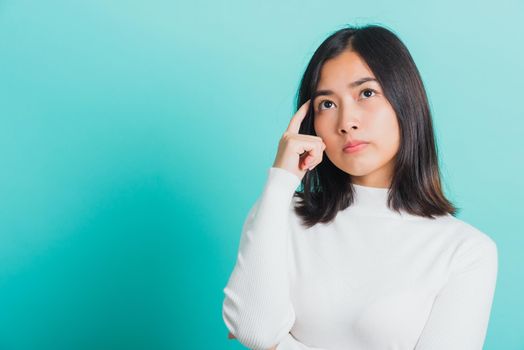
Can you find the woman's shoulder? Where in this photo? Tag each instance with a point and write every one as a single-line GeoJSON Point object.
{"type": "Point", "coordinates": [469, 237]}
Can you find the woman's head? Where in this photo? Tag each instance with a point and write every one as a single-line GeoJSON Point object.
{"type": "Point", "coordinates": [349, 106]}
{"type": "Point", "coordinates": [390, 113]}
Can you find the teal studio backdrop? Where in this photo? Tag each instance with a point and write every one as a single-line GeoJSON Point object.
{"type": "Point", "coordinates": [135, 135]}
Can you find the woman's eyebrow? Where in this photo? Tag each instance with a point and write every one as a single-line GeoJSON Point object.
{"type": "Point", "coordinates": [350, 85]}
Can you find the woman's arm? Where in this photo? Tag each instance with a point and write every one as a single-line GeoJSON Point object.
{"type": "Point", "coordinates": [257, 308]}
{"type": "Point", "coordinates": [289, 343]}
{"type": "Point", "coordinates": [460, 314]}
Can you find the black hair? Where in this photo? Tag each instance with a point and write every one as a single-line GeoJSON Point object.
{"type": "Point", "coordinates": [415, 185]}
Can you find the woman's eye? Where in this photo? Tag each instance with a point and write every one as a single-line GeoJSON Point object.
{"type": "Point", "coordinates": [324, 103]}
{"type": "Point", "coordinates": [329, 104]}
{"type": "Point", "coordinates": [369, 90]}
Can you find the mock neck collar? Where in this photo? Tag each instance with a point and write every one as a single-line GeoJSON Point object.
{"type": "Point", "coordinates": [371, 201]}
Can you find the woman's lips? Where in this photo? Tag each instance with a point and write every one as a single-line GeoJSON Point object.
{"type": "Point", "coordinates": [355, 148]}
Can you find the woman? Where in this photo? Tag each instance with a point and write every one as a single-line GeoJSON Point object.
{"type": "Point", "coordinates": [367, 254]}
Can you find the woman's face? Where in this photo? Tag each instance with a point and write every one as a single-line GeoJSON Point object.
{"type": "Point", "coordinates": [356, 112]}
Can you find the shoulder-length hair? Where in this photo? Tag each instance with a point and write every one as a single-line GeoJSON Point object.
{"type": "Point", "coordinates": [415, 185]}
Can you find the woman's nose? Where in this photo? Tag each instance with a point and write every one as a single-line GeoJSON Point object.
{"type": "Point", "coordinates": [348, 119]}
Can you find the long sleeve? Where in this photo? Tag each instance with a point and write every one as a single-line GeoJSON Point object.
{"type": "Point", "coordinates": [290, 343]}
{"type": "Point", "coordinates": [257, 308]}
{"type": "Point", "coordinates": [460, 314]}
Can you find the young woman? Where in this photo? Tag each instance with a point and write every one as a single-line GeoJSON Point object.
{"type": "Point", "coordinates": [368, 253]}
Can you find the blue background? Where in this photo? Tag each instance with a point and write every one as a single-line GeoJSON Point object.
{"type": "Point", "coordinates": [135, 135]}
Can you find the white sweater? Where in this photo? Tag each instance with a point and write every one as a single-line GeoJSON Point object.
{"type": "Point", "coordinates": [373, 279]}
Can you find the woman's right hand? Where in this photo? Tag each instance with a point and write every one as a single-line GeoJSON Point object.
{"type": "Point", "coordinates": [299, 153]}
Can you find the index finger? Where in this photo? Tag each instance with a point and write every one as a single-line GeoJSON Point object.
{"type": "Point", "coordinates": [294, 124]}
